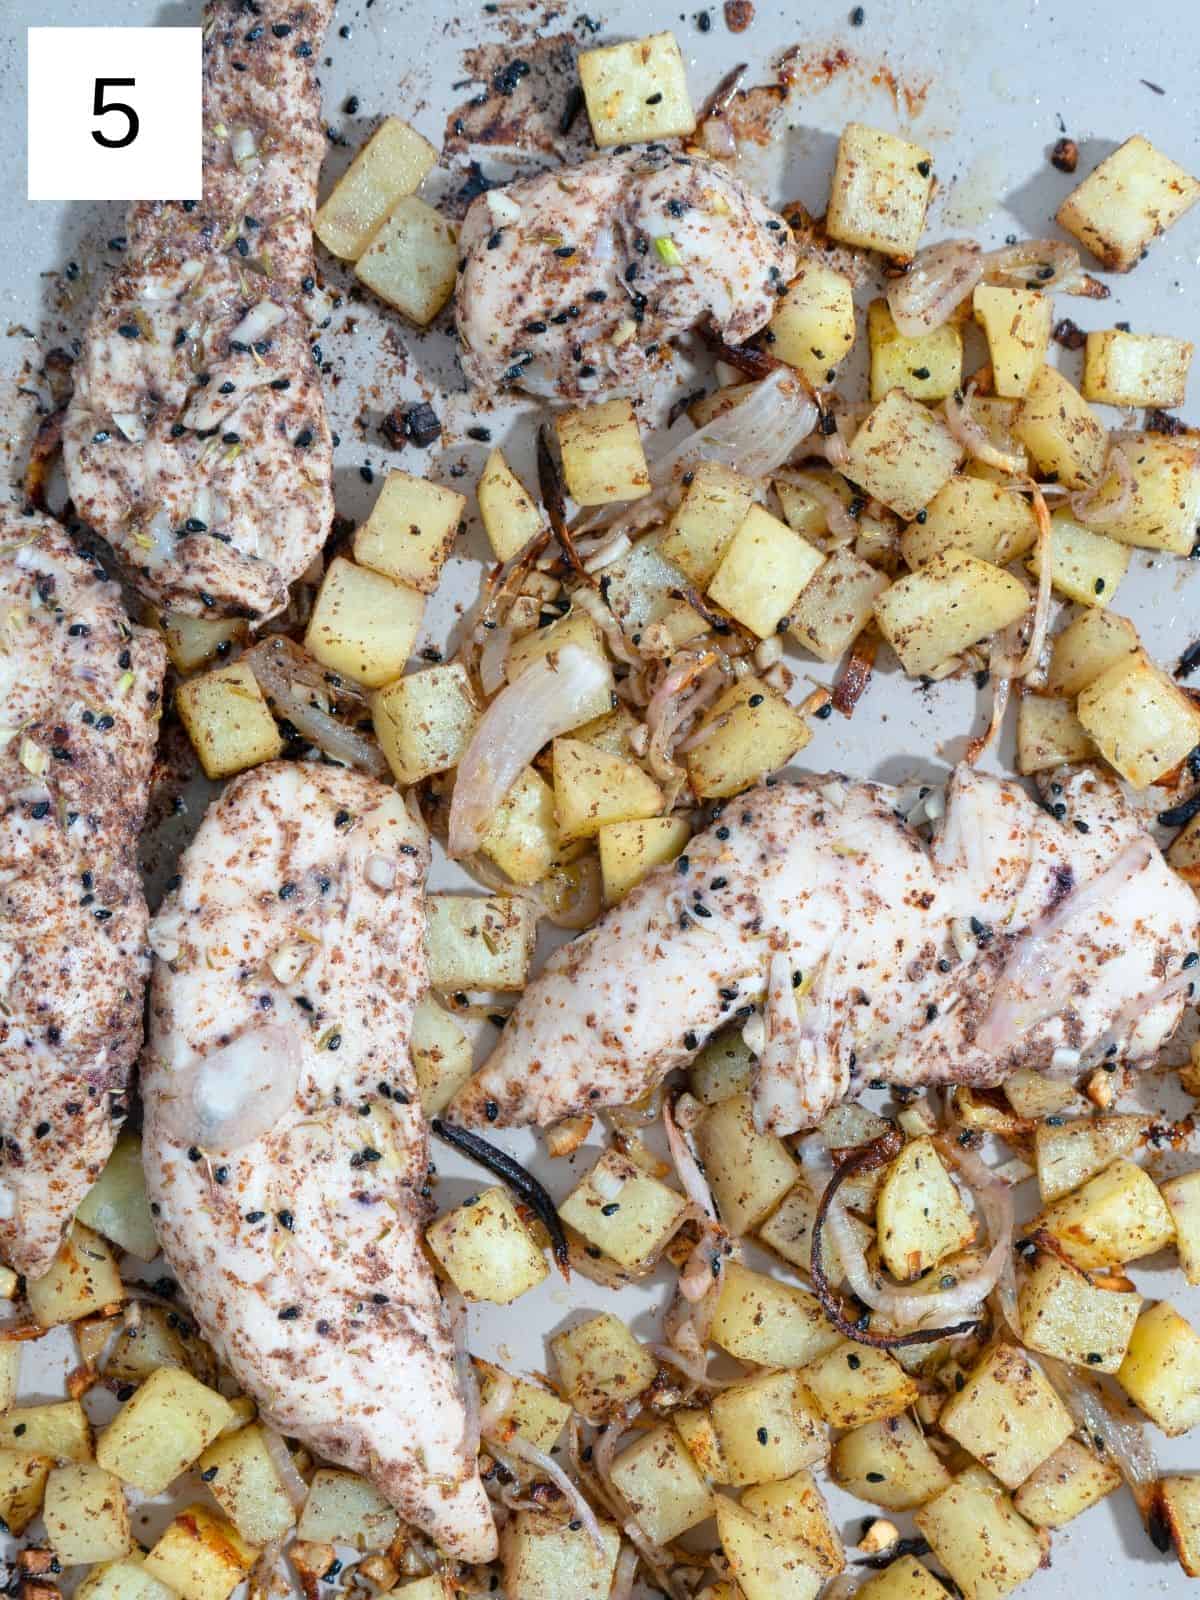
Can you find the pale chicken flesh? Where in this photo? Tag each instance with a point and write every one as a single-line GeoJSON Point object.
{"type": "Point", "coordinates": [573, 283]}
{"type": "Point", "coordinates": [196, 441]}
{"type": "Point", "coordinates": [1044, 937]}
{"type": "Point", "coordinates": [80, 695]}
{"type": "Point", "coordinates": [286, 1152]}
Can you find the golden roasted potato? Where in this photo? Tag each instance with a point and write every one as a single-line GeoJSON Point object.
{"type": "Point", "coordinates": [880, 191]}
{"type": "Point", "coordinates": [1134, 195]}
{"type": "Point", "coordinates": [636, 91]}
{"type": "Point", "coordinates": [486, 1250]}
{"type": "Point", "coordinates": [902, 454]}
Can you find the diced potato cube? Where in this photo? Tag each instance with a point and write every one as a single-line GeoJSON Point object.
{"type": "Point", "coordinates": [343, 1508]}
{"type": "Point", "coordinates": [950, 603]}
{"type": "Point", "coordinates": [623, 1211]}
{"type": "Point", "coordinates": [193, 641]}
{"type": "Point", "coordinates": [391, 164]}
{"type": "Point", "coordinates": [764, 568]}
{"type": "Point", "coordinates": [920, 1216]}
{"type": "Point", "coordinates": [116, 1204]}
{"type": "Point", "coordinates": [410, 531]}
{"type": "Point", "coordinates": [162, 1430]}
{"type": "Point", "coordinates": [836, 604]}
{"type": "Point", "coordinates": [767, 1429]}
{"type": "Point", "coordinates": [22, 1485]}
{"type": "Point", "coordinates": [880, 191]}
{"type": "Point", "coordinates": [713, 507]}
{"type": "Point", "coordinates": [1087, 647]}
{"type": "Point", "coordinates": [1017, 324]}
{"type": "Point", "coordinates": [592, 788]}
{"type": "Point", "coordinates": [767, 1323]}
{"type": "Point", "coordinates": [985, 1546]}
{"type": "Point", "coordinates": [902, 454]}
{"type": "Point", "coordinates": [201, 1556]}
{"type": "Point", "coordinates": [1066, 1155]}
{"type": "Point", "coordinates": [441, 1054]}
{"type": "Point", "coordinates": [696, 1429]}
{"type": "Point", "coordinates": [226, 717]}
{"type": "Point", "coordinates": [362, 624]}
{"type": "Point", "coordinates": [1060, 430]}
{"type": "Point", "coordinates": [889, 1463]}
{"type": "Point", "coordinates": [1084, 566]}
{"type": "Point", "coordinates": [544, 1558]}
{"type": "Point", "coordinates": [756, 732]}
{"type": "Point", "coordinates": [1066, 1484]}
{"type": "Point", "coordinates": [1140, 719]}
{"type": "Point", "coordinates": [522, 838]}
{"type": "Point", "coordinates": [795, 1509]}
{"type": "Point", "coordinates": [804, 499]}
{"type": "Point", "coordinates": [749, 1172]}
{"type": "Point", "coordinates": [510, 516]}
{"type": "Point", "coordinates": [1007, 1415]}
{"type": "Point", "coordinates": [10, 1369]}
{"type": "Point", "coordinates": [1161, 1369]}
{"type": "Point", "coordinates": [486, 1249]}
{"type": "Point", "coordinates": [1182, 1195]}
{"type": "Point", "coordinates": [1165, 506]}
{"type": "Point", "coordinates": [602, 1366]}
{"type": "Point", "coordinates": [86, 1515]}
{"type": "Point", "coordinates": [123, 1580]}
{"type": "Point", "coordinates": [813, 325]}
{"type": "Point", "coordinates": [902, 1579]}
{"type": "Point", "coordinates": [243, 1480]}
{"type": "Point", "coordinates": [602, 455]}
{"type": "Point", "coordinates": [659, 1479]}
{"type": "Point", "coordinates": [434, 1587]}
{"type": "Point", "coordinates": [1184, 857]}
{"type": "Point", "coordinates": [927, 367]}
{"type": "Point", "coordinates": [424, 722]}
{"type": "Point", "coordinates": [983, 519]}
{"type": "Point", "coordinates": [1048, 734]}
{"type": "Point", "coordinates": [1116, 1216]}
{"type": "Point", "coordinates": [59, 1429]}
{"type": "Point", "coordinates": [1179, 1507]}
{"type": "Point", "coordinates": [412, 261]}
{"type": "Point", "coordinates": [478, 941]}
{"type": "Point", "coordinates": [534, 1413]}
{"type": "Point", "coordinates": [852, 1384]}
{"type": "Point", "coordinates": [788, 1230]}
{"type": "Point", "coordinates": [160, 1338]}
{"type": "Point", "coordinates": [1134, 195]}
{"type": "Point", "coordinates": [723, 1068]}
{"type": "Point", "coordinates": [766, 1564]}
{"type": "Point", "coordinates": [629, 851]}
{"type": "Point", "coordinates": [637, 91]}
{"type": "Point", "coordinates": [1136, 369]}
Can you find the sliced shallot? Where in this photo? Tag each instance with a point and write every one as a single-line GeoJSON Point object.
{"type": "Point", "coordinates": [552, 696]}
{"type": "Point", "coordinates": [935, 285]}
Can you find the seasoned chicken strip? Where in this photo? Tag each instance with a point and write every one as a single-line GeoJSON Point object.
{"type": "Point", "coordinates": [285, 1148]}
{"type": "Point", "coordinates": [196, 441]}
{"type": "Point", "coordinates": [80, 696]}
{"type": "Point", "coordinates": [577, 293]}
{"type": "Point", "coordinates": [1014, 939]}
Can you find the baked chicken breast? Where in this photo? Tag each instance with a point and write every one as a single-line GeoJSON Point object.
{"type": "Point", "coordinates": [285, 1147]}
{"type": "Point", "coordinates": [573, 283]}
{"type": "Point", "coordinates": [80, 691]}
{"type": "Point", "coordinates": [1019, 936]}
{"type": "Point", "coordinates": [196, 441]}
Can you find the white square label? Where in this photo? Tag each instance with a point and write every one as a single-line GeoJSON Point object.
{"type": "Point", "coordinates": [114, 114]}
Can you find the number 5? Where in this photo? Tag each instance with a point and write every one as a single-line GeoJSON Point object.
{"type": "Point", "coordinates": [99, 109]}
